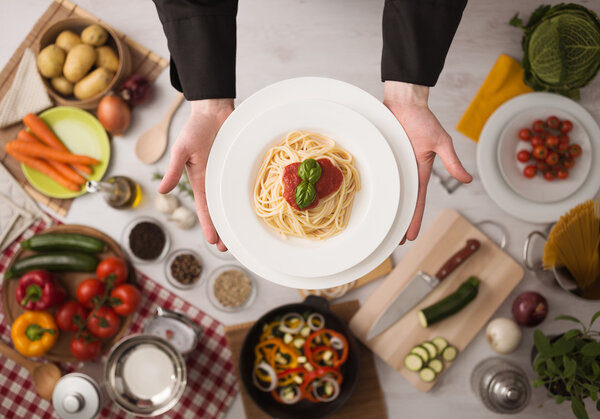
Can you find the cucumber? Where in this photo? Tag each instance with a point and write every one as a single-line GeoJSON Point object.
{"type": "Point", "coordinates": [436, 365]}
{"type": "Point", "coordinates": [64, 241]}
{"type": "Point", "coordinates": [427, 374]}
{"type": "Point", "coordinates": [450, 305]}
{"type": "Point", "coordinates": [431, 348]}
{"type": "Point", "coordinates": [413, 362]}
{"type": "Point", "coordinates": [440, 343]}
{"type": "Point", "coordinates": [422, 352]}
{"type": "Point", "coordinates": [65, 261]}
{"type": "Point", "coordinates": [449, 353]}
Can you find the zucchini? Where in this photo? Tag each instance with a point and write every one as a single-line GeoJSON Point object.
{"type": "Point", "coordinates": [449, 354]}
{"type": "Point", "coordinates": [440, 343]}
{"type": "Point", "coordinates": [450, 305]}
{"type": "Point", "coordinates": [431, 348]}
{"type": "Point", "coordinates": [64, 241]}
{"type": "Point", "coordinates": [413, 362]}
{"type": "Point", "coordinates": [427, 374]}
{"type": "Point", "coordinates": [66, 261]}
{"type": "Point", "coordinates": [421, 351]}
{"type": "Point", "coordinates": [436, 365]}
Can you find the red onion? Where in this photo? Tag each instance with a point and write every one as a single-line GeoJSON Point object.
{"type": "Point", "coordinates": [136, 90]}
{"type": "Point", "coordinates": [529, 309]}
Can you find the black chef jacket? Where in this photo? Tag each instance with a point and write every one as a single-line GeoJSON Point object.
{"type": "Point", "coordinates": [201, 36]}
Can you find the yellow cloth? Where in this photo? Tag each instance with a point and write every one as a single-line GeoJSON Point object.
{"type": "Point", "coordinates": [504, 82]}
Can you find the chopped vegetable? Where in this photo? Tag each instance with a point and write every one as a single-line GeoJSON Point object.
{"type": "Point", "coordinates": [427, 374]}
{"type": "Point", "coordinates": [440, 343]}
{"type": "Point", "coordinates": [449, 353]}
{"type": "Point", "coordinates": [422, 352]}
{"type": "Point", "coordinates": [436, 365]}
{"type": "Point", "coordinates": [413, 362]}
{"type": "Point", "coordinates": [431, 348]}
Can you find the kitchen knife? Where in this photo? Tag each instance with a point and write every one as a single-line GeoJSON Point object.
{"type": "Point", "coordinates": [418, 287]}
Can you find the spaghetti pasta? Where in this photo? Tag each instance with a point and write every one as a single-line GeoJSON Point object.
{"type": "Point", "coordinates": [331, 214]}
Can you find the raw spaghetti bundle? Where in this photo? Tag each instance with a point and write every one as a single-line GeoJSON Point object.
{"type": "Point", "coordinates": [573, 243]}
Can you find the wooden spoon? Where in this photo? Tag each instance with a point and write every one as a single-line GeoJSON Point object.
{"type": "Point", "coordinates": [153, 142]}
{"type": "Point", "coordinates": [44, 375]}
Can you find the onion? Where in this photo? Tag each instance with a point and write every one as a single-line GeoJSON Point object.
{"type": "Point", "coordinates": [296, 397]}
{"type": "Point", "coordinates": [269, 370]}
{"type": "Point", "coordinates": [114, 114]}
{"type": "Point", "coordinates": [283, 327]}
{"type": "Point", "coordinates": [313, 316]}
{"type": "Point", "coordinates": [503, 335]}
{"type": "Point", "coordinates": [136, 90]}
{"type": "Point", "coordinates": [336, 343]}
{"type": "Point", "coordinates": [529, 309]}
{"type": "Point", "coordinates": [334, 395]}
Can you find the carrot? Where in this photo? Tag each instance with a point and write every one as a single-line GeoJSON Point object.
{"type": "Point", "coordinates": [45, 134]}
{"type": "Point", "coordinates": [41, 151]}
{"type": "Point", "coordinates": [62, 168]}
{"type": "Point", "coordinates": [43, 167]}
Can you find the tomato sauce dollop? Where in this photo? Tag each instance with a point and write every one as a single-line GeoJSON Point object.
{"type": "Point", "coordinates": [329, 182]}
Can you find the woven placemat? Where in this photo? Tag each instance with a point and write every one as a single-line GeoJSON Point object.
{"type": "Point", "coordinates": [144, 62]}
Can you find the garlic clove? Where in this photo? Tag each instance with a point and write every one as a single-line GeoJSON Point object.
{"type": "Point", "coordinates": [166, 204]}
{"type": "Point", "coordinates": [183, 218]}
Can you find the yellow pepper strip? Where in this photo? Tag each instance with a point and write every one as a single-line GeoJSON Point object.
{"type": "Point", "coordinates": [268, 331]}
{"type": "Point", "coordinates": [33, 333]}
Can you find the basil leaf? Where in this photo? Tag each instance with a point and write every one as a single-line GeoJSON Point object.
{"type": "Point", "coordinates": [305, 194]}
{"type": "Point", "coordinates": [309, 170]}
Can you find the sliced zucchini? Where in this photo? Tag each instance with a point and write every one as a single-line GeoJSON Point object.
{"type": "Point", "coordinates": [427, 374]}
{"type": "Point", "coordinates": [449, 353]}
{"type": "Point", "coordinates": [431, 348]}
{"type": "Point", "coordinates": [440, 343]}
{"type": "Point", "coordinates": [413, 362]}
{"type": "Point", "coordinates": [436, 365]}
{"type": "Point", "coordinates": [421, 351]}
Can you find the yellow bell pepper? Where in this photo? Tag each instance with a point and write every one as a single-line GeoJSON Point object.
{"type": "Point", "coordinates": [34, 332]}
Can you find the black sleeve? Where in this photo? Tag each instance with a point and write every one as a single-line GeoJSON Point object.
{"type": "Point", "coordinates": [416, 38]}
{"type": "Point", "coordinates": [201, 36]}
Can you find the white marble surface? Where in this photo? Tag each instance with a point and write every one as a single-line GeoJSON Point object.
{"type": "Point", "coordinates": [279, 39]}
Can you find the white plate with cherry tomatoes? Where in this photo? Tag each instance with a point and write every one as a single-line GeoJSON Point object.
{"type": "Point", "coordinates": [544, 154]}
{"type": "Point", "coordinates": [523, 205]}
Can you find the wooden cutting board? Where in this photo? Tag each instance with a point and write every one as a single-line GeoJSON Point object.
{"type": "Point", "coordinates": [498, 272]}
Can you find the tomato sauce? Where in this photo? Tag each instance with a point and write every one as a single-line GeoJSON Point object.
{"type": "Point", "coordinates": [329, 182]}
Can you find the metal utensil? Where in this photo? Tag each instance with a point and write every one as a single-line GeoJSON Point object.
{"type": "Point", "coordinates": [418, 287]}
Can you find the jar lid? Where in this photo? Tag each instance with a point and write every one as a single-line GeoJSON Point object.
{"type": "Point", "coordinates": [76, 396]}
{"type": "Point", "coordinates": [177, 328]}
{"type": "Point", "coordinates": [510, 392]}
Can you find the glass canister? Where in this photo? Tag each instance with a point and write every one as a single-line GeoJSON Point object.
{"type": "Point", "coordinates": [502, 386]}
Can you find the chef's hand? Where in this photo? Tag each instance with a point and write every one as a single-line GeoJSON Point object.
{"type": "Point", "coordinates": [408, 102]}
{"type": "Point", "coordinates": [190, 151]}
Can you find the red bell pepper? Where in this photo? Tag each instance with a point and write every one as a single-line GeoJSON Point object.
{"type": "Point", "coordinates": [37, 290]}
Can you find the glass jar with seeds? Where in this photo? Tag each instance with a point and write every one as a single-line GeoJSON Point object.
{"type": "Point", "coordinates": [146, 240]}
{"type": "Point", "coordinates": [231, 288]}
{"type": "Point", "coordinates": [183, 268]}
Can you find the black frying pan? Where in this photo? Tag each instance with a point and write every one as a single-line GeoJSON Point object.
{"type": "Point", "coordinates": [304, 408]}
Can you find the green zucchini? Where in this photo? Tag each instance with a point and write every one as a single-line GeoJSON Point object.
{"type": "Point", "coordinates": [431, 348]}
{"type": "Point", "coordinates": [436, 365]}
{"type": "Point", "coordinates": [64, 241]}
{"type": "Point", "coordinates": [440, 343]}
{"type": "Point", "coordinates": [64, 261]}
{"type": "Point", "coordinates": [427, 374]}
{"type": "Point", "coordinates": [413, 362]}
{"type": "Point", "coordinates": [449, 354]}
{"type": "Point", "coordinates": [450, 305]}
{"type": "Point", "coordinates": [421, 351]}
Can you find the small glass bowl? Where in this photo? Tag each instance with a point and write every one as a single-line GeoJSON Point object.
{"type": "Point", "coordinates": [127, 231]}
{"type": "Point", "coordinates": [172, 279]}
{"type": "Point", "coordinates": [210, 285]}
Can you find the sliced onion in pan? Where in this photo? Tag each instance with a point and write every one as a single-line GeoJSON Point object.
{"type": "Point", "coordinates": [297, 395]}
{"type": "Point", "coordinates": [311, 319]}
{"type": "Point", "coordinates": [269, 370]}
{"type": "Point", "coordinates": [284, 328]}
{"type": "Point", "coordinates": [334, 395]}
{"type": "Point", "coordinates": [336, 343]}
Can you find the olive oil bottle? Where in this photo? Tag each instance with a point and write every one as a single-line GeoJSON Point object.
{"type": "Point", "coordinates": [120, 192]}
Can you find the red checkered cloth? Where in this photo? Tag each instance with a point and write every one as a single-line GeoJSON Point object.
{"type": "Point", "coordinates": [211, 385]}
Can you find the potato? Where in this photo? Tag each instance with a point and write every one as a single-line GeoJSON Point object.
{"type": "Point", "coordinates": [62, 86]}
{"type": "Point", "coordinates": [79, 61]}
{"type": "Point", "coordinates": [93, 83]}
{"type": "Point", "coordinates": [94, 35]}
{"type": "Point", "coordinates": [50, 61]}
{"type": "Point", "coordinates": [107, 57]}
{"type": "Point", "coordinates": [67, 40]}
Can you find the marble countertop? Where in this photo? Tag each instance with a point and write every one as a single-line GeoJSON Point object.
{"type": "Point", "coordinates": [280, 39]}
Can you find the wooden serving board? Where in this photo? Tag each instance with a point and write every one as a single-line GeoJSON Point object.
{"type": "Point", "coordinates": [60, 352]}
{"type": "Point", "coordinates": [498, 272]}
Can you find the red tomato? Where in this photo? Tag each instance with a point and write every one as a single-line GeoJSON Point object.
{"type": "Point", "coordinates": [129, 299]}
{"type": "Point", "coordinates": [112, 266]}
{"type": "Point", "coordinates": [523, 156]}
{"type": "Point", "coordinates": [529, 171]}
{"type": "Point", "coordinates": [551, 141]}
{"type": "Point", "coordinates": [541, 166]}
{"type": "Point", "coordinates": [536, 141]}
{"type": "Point", "coordinates": [103, 323]}
{"type": "Point", "coordinates": [562, 147]}
{"type": "Point", "coordinates": [566, 126]}
{"type": "Point", "coordinates": [70, 316]}
{"type": "Point", "coordinates": [525, 134]}
{"type": "Point", "coordinates": [538, 126]}
{"type": "Point", "coordinates": [88, 289]}
{"type": "Point", "coordinates": [562, 173]}
{"type": "Point", "coordinates": [540, 152]}
{"type": "Point", "coordinates": [563, 138]}
{"type": "Point", "coordinates": [574, 150]}
{"type": "Point", "coordinates": [549, 176]}
{"type": "Point", "coordinates": [552, 158]}
{"type": "Point", "coordinates": [552, 122]}
{"type": "Point", "coordinates": [568, 163]}
{"type": "Point", "coordinates": [85, 347]}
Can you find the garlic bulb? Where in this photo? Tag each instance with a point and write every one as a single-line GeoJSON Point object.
{"type": "Point", "coordinates": [183, 218]}
{"type": "Point", "coordinates": [166, 203]}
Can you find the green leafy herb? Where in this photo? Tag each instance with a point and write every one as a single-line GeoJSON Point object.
{"type": "Point", "coordinates": [310, 170]}
{"type": "Point", "coordinates": [305, 194]}
{"type": "Point", "coordinates": [183, 186]}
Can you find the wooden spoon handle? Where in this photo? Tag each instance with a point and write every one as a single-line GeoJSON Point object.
{"type": "Point", "coordinates": [178, 99]}
{"type": "Point", "coordinates": [10, 353]}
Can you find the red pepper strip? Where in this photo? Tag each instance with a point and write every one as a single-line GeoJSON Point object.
{"type": "Point", "coordinates": [324, 332]}
{"type": "Point", "coordinates": [290, 373]}
{"type": "Point", "coordinates": [321, 350]}
{"type": "Point", "coordinates": [306, 387]}
{"type": "Point", "coordinates": [344, 356]}
{"type": "Point", "coordinates": [37, 290]}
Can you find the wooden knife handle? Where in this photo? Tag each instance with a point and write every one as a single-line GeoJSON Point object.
{"type": "Point", "coordinates": [458, 258]}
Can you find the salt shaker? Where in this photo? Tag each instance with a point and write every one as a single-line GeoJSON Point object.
{"type": "Point", "coordinates": [502, 386]}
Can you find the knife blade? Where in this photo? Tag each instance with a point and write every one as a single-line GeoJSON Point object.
{"type": "Point", "coordinates": [418, 287]}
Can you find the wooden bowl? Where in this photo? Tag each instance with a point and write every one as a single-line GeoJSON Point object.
{"type": "Point", "coordinates": [77, 25]}
{"type": "Point", "coordinates": [60, 352]}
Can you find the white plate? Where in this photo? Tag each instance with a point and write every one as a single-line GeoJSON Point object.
{"type": "Point", "coordinates": [376, 200]}
{"type": "Point", "coordinates": [344, 94]}
{"type": "Point", "coordinates": [491, 177]}
{"type": "Point", "coordinates": [538, 189]}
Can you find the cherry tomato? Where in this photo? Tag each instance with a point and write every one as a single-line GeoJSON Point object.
{"type": "Point", "coordinates": [115, 267]}
{"type": "Point", "coordinates": [562, 147]}
{"type": "Point", "coordinates": [88, 289]}
{"type": "Point", "coordinates": [540, 152]}
{"type": "Point", "coordinates": [566, 126]}
{"type": "Point", "coordinates": [536, 141]}
{"type": "Point", "coordinates": [129, 298]}
{"type": "Point", "coordinates": [552, 158]}
{"type": "Point", "coordinates": [549, 176]}
{"type": "Point", "coordinates": [529, 171]}
{"type": "Point", "coordinates": [563, 138]}
{"type": "Point", "coordinates": [525, 134]}
{"type": "Point", "coordinates": [538, 125]}
{"type": "Point", "coordinates": [574, 150]}
{"type": "Point", "coordinates": [568, 163]}
{"type": "Point", "coordinates": [523, 156]}
{"type": "Point", "coordinates": [551, 141]}
{"type": "Point", "coordinates": [103, 323]}
{"type": "Point", "coordinates": [70, 316]}
{"type": "Point", "coordinates": [552, 122]}
{"type": "Point", "coordinates": [562, 173]}
{"type": "Point", "coordinates": [541, 166]}
{"type": "Point", "coordinates": [85, 347]}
